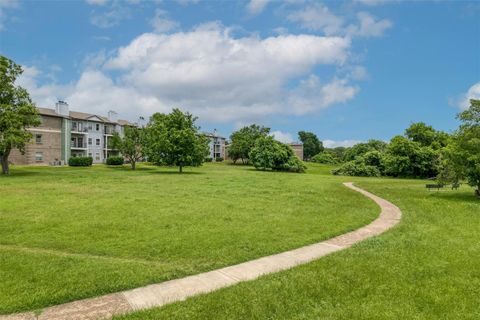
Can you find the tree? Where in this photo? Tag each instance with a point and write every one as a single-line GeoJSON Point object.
{"type": "Point", "coordinates": [311, 144]}
{"type": "Point", "coordinates": [325, 157]}
{"type": "Point", "coordinates": [174, 139]}
{"type": "Point", "coordinates": [17, 112]}
{"type": "Point", "coordinates": [361, 148]}
{"type": "Point", "coordinates": [243, 141]}
{"type": "Point", "coordinates": [131, 145]}
{"type": "Point", "coordinates": [407, 158]}
{"type": "Point", "coordinates": [269, 153]}
{"type": "Point", "coordinates": [462, 155]}
{"type": "Point", "coordinates": [426, 135]}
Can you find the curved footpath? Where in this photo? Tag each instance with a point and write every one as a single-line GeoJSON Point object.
{"type": "Point", "coordinates": [156, 295]}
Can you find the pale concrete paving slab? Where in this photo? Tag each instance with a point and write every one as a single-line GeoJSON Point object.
{"type": "Point", "coordinates": [157, 295]}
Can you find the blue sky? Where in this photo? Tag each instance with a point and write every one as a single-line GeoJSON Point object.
{"type": "Point", "coordinates": [348, 71]}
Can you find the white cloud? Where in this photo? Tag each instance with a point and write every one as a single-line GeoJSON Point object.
{"type": "Point", "coordinates": [318, 18]}
{"type": "Point", "coordinates": [255, 7]}
{"type": "Point", "coordinates": [97, 2]}
{"type": "Point", "coordinates": [372, 3]}
{"type": "Point", "coordinates": [472, 93]}
{"type": "Point", "coordinates": [209, 73]}
{"type": "Point", "coordinates": [112, 17]}
{"type": "Point", "coordinates": [341, 143]}
{"type": "Point", "coordinates": [161, 23]}
{"type": "Point", "coordinates": [284, 137]}
{"type": "Point", "coordinates": [313, 95]}
{"type": "Point", "coordinates": [4, 6]}
{"type": "Point", "coordinates": [369, 26]}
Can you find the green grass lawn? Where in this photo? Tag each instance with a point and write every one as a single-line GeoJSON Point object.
{"type": "Point", "coordinates": [71, 233]}
{"type": "Point", "coordinates": [427, 267]}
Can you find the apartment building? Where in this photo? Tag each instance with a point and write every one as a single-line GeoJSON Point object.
{"type": "Point", "coordinates": [217, 145]}
{"type": "Point", "coordinates": [63, 134]}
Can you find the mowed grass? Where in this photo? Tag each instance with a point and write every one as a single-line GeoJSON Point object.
{"type": "Point", "coordinates": [427, 267]}
{"type": "Point", "coordinates": [72, 233]}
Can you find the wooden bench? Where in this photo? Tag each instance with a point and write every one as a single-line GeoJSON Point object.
{"type": "Point", "coordinates": [434, 186]}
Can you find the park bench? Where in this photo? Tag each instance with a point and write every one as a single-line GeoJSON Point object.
{"type": "Point", "coordinates": [455, 186]}
{"type": "Point", "coordinates": [431, 186]}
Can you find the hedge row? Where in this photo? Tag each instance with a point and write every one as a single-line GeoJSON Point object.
{"type": "Point", "coordinates": [80, 161]}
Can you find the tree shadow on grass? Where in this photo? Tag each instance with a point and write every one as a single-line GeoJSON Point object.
{"type": "Point", "coordinates": [457, 196]}
{"type": "Point", "coordinates": [152, 170]}
{"type": "Point", "coordinates": [22, 173]}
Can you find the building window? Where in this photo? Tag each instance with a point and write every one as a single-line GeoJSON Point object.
{"type": "Point", "coordinates": [97, 142]}
{"type": "Point", "coordinates": [38, 156]}
{"type": "Point", "coordinates": [90, 126]}
{"type": "Point", "coordinates": [38, 138]}
{"type": "Point", "coordinates": [97, 127]}
{"type": "Point", "coordinates": [89, 141]}
{"type": "Point", "coordinates": [90, 154]}
{"type": "Point", "coordinates": [97, 156]}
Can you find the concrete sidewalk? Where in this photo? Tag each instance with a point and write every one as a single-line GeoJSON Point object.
{"type": "Point", "coordinates": [156, 295]}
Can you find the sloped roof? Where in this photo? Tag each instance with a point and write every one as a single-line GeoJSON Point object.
{"type": "Point", "coordinates": [80, 116]}
{"type": "Point", "coordinates": [126, 123]}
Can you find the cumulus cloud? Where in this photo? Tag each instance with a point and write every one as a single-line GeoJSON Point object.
{"type": "Point", "coordinates": [161, 23]}
{"type": "Point", "coordinates": [4, 6]}
{"type": "Point", "coordinates": [284, 137]}
{"type": "Point", "coordinates": [111, 17]}
{"type": "Point", "coordinates": [472, 93]}
{"type": "Point", "coordinates": [255, 7]}
{"type": "Point", "coordinates": [212, 74]}
{"type": "Point", "coordinates": [97, 2]}
{"type": "Point", "coordinates": [373, 2]}
{"type": "Point", "coordinates": [340, 143]}
{"type": "Point", "coordinates": [369, 26]}
{"type": "Point", "coordinates": [317, 18]}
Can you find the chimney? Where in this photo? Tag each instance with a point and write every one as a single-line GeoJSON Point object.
{"type": "Point", "coordinates": [61, 107]}
{"type": "Point", "coordinates": [112, 116]}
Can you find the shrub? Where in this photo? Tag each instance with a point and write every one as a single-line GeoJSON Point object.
{"type": "Point", "coordinates": [208, 159]}
{"type": "Point", "coordinates": [325, 158]}
{"type": "Point", "coordinates": [357, 168]}
{"type": "Point", "coordinates": [219, 159]}
{"type": "Point", "coordinates": [271, 154]}
{"type": "Point", "coordinates": [80, 161]}
{"type": "Point", "coordinates": [115, 161]}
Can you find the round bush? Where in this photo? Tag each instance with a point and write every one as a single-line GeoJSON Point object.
{"type": "Point", "coordinates": [115, 161]}
{"type": "Point", "coordinates": [80, 161]}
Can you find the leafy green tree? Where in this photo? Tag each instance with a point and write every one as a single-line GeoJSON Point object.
{"type": "Point", "coordinates": [338, 152]}
{"type": "Point", "coordinates": [358, 168]}
{"type": "Point", "coordinates": [271, 154]}
{"type": "Point", "coordinates": [426, 135]}
{"type": "Point", "coordinates": [243, 140]}
{"type": "Point", "coordinates": [17, 112]}
{"type": "Point", "coordinates": [174, 140]}
{"type": "Point", "coordinates": [325, 157]}
{"type": "Point", "coordinates": [311, 144]}
{"type": "Point", "coordinates": [361, 148]}
{"type": "Point", "coordinates": [407, 158]}
{"type": "Point", "coordinates": [131, 145]}
{"type": "Point", "coordinates": [462, 155]}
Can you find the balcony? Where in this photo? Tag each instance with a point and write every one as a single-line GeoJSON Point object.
{"type": "Point", "coordinates": [78, 145]}
{"type": "Point", "coordinates": [79, 130]}
{"type": "Point", "coordinates": [109, 131]}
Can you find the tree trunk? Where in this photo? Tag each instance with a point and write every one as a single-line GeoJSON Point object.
{"type": "Point", "coordinates": [477, 192]}
{"type": "Point", "coordinates": [180, 169]}
{"type": "Point", "coordinates": [133, 163]}
{"type": "Point", "coordinates": [4, 161]}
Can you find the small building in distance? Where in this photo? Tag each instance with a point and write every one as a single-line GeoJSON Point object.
{"type": "Point", "coordinates": [217, 146]}
{"type": "Point", "coordinates": [297, 148]}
